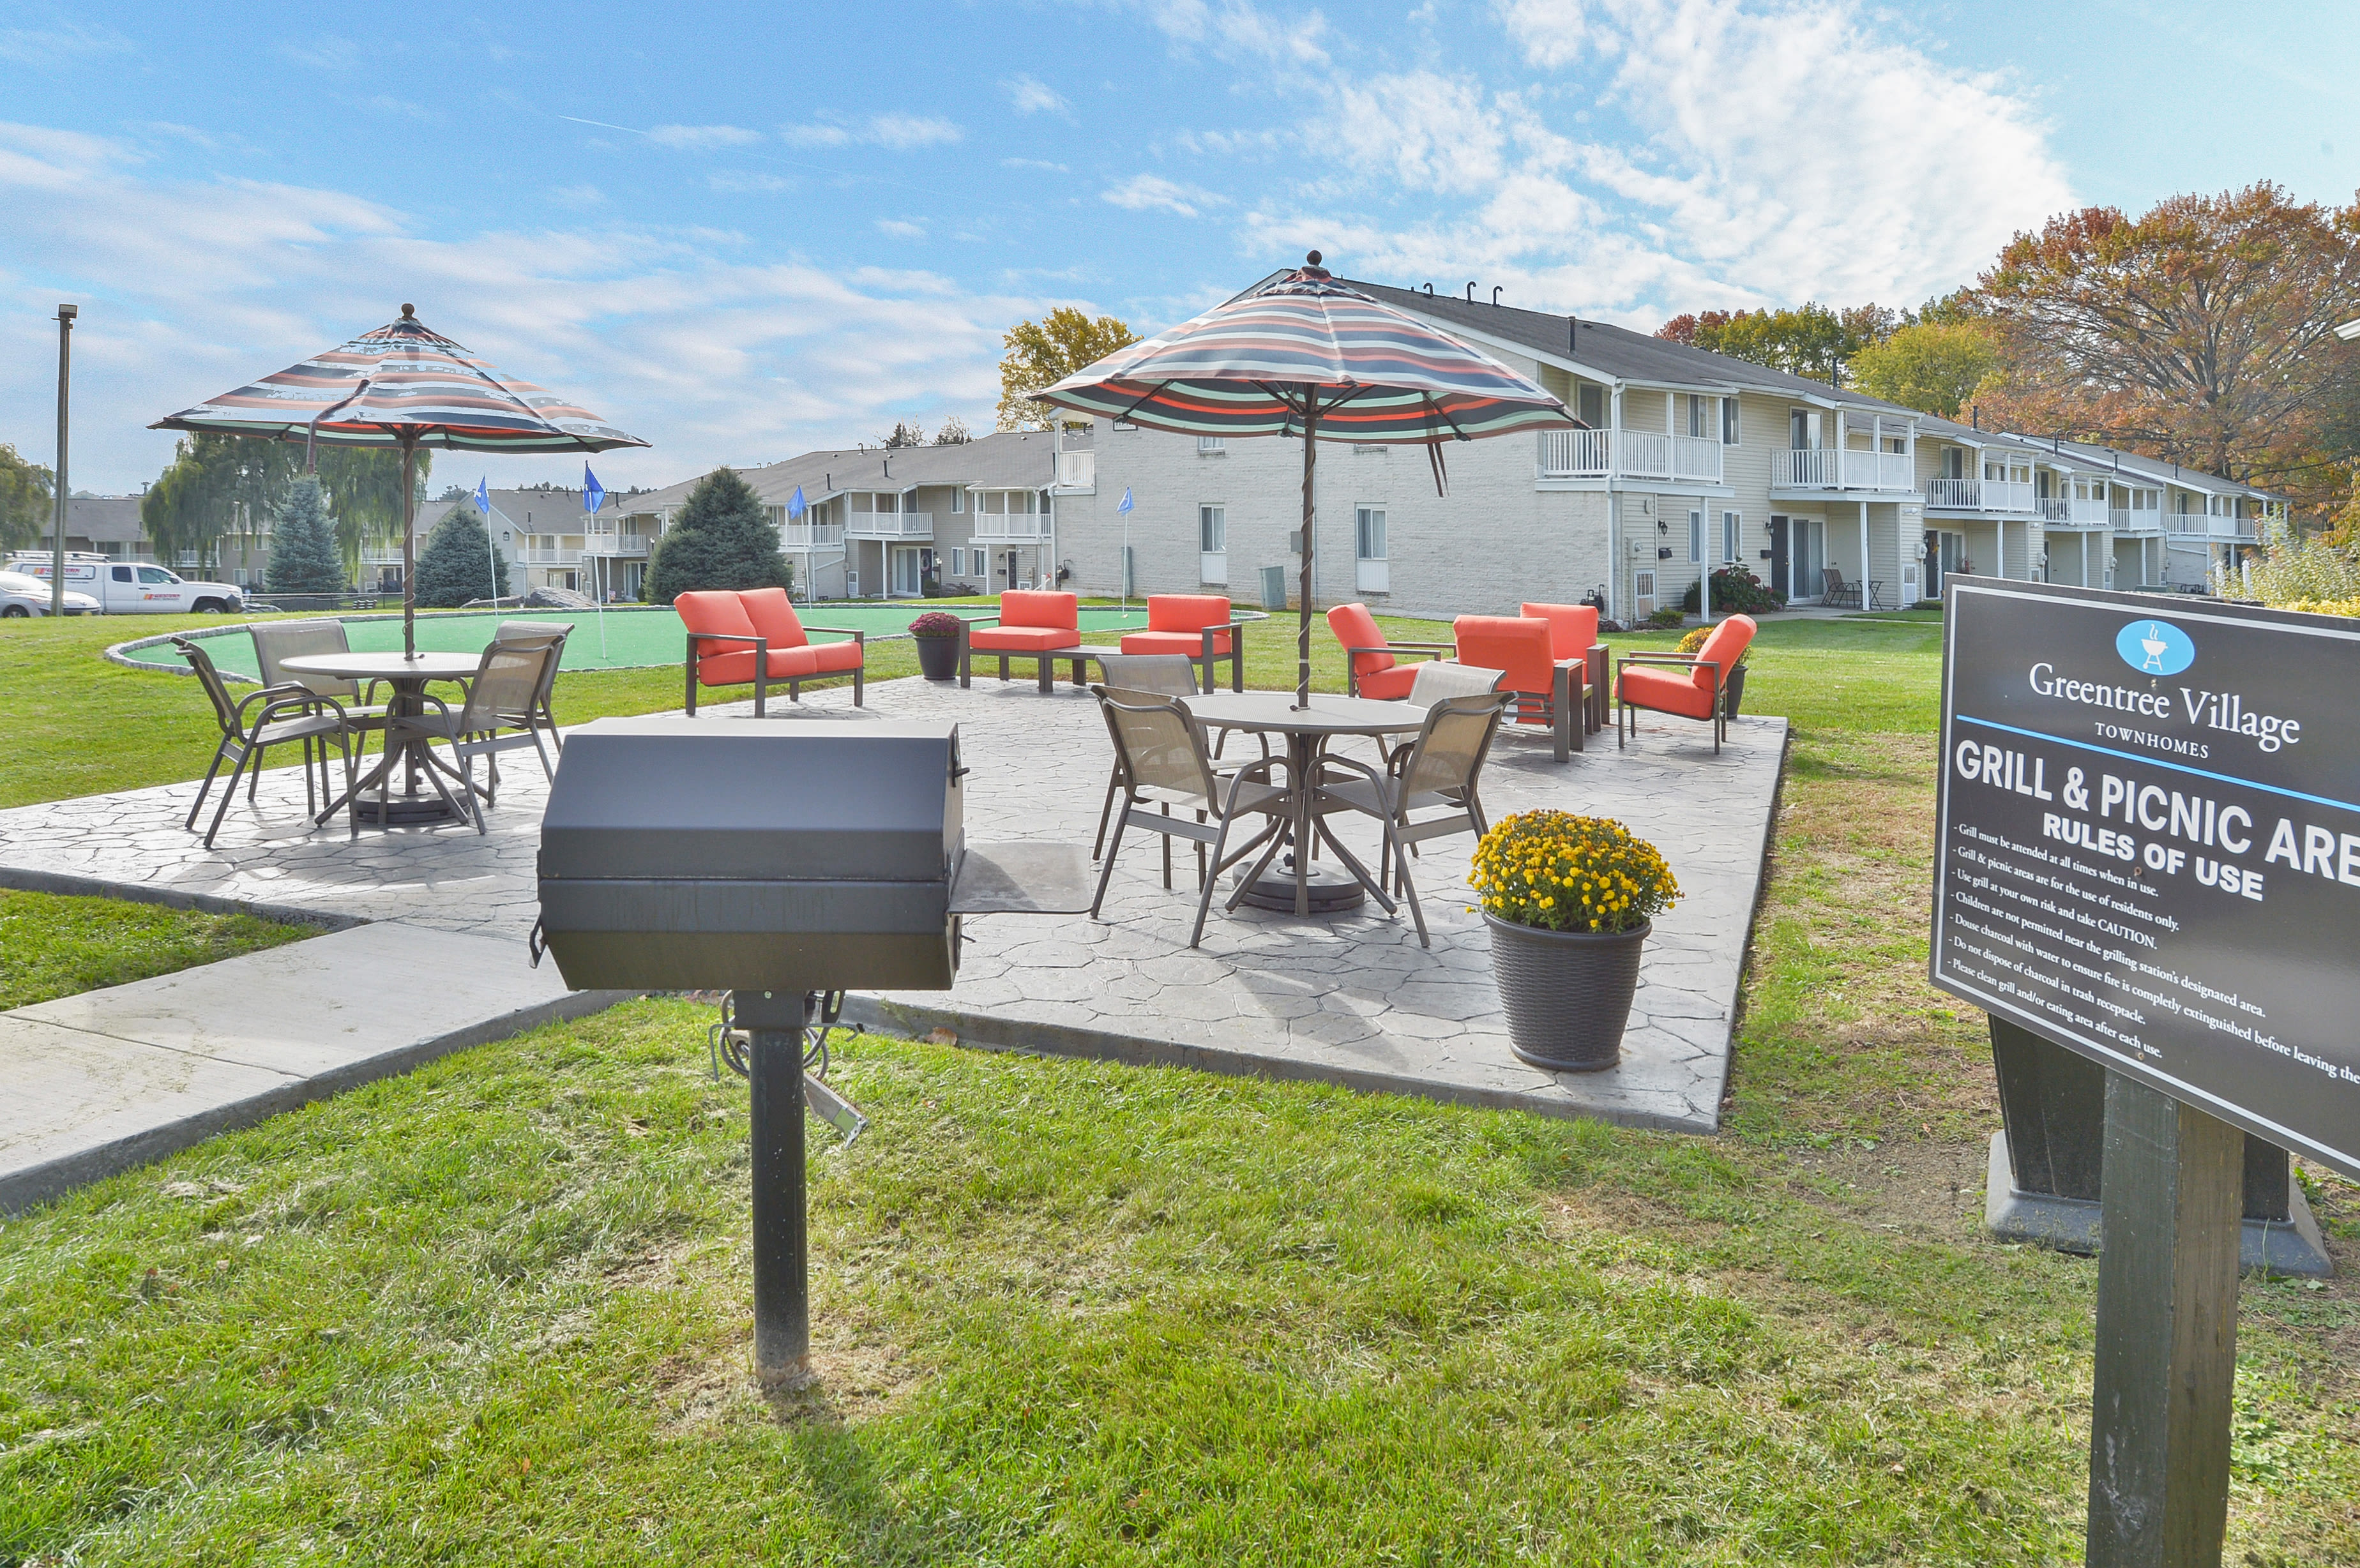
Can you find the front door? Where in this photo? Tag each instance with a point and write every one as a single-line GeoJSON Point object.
{"type": "Point", "coordinates": [1806, 554]}
{"type": "Point", "coordinates": [1777, 552]}
{"type": "Point", "coordinates": [1944, 551]}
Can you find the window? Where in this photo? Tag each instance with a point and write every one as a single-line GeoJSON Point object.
{"type": "Point", "coordinates": [1954, 463]}
{"type": "Point", "coordinates": [1695, 535]}
{"type": "Point", "coordinates": [1368, 533]}
{"type": "Point", "coordinates": [1729, 430]}
{"type": "Point", "coordinates": [958, 500]}
{"type": "Point", "coordinates": [1212, 529]}
{"type": "Point", "coordinates": [157, 574]}
{"type": "Point", "coordinates": [1205, 444]}
{"type": "Point", "coordinates": [1799, 429]}
{"type": "Point", "coordinates": [123, 574]}
{"type": "Point", "coordinates": [958, 561]}
{"type": "Point", "coordinates": [1590, 405]}
{"type": "Point", "coordinates": [1700, 419]}
{"type": "Point", "coordinates": [1732, 526]}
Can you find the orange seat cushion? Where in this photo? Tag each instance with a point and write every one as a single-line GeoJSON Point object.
{"type": "Point", "coordinates": [1390, 685]}
{"type": "Point", "coordinates": [1668, 690]}
{"type": "Point", "coordinates": [1041, 607]}
{"type": "Point", "coordinates": [774, 617]}
{"type": "Point", "coordinates": [1573, 628]}
{"type": "Point", "coordinates": [1186, 611]}
{"type": "Point", "coordinates": [718, 613]}
{"type": "Point", "coordinates": [1355, 627]}
{"type": "Point", "coordinates": [1022, 639]}
{"type": "Point", "coordinates": [815, 659]}
{"type": "Point", "coordinates": [838, 658]}
{"type": "Point", "coordinates": [1518, 647]}
{"type": "Point", "coordinates": [1189, 643]}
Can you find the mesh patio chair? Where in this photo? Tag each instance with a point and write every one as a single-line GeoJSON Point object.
{"type": "Point", "coordinates": [1438, 679]}
{"type": "Point", "coordinates": [544, 716]}
{"type": "Point", "coordinates": [496, 717]}
{"type": "Point", "coordinates": [1161, 754]}
{"type": "Point", "coordinates": [1152, 675]}
{"type": "Point", "coordinates": [275, 642]}
{"type": "Point", "coordinates": [1442, 768]}
{"type": "Point", "coordinates": [287, 713]}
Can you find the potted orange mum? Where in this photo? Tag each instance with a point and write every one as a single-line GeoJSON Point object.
{"type": "Point", "coordinates": [1569, 901]}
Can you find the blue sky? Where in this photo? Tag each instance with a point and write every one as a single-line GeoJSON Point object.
{"type": "Point", "coordinates": [743, 232]}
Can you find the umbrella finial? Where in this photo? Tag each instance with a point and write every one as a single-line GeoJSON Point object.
{"type": "Point", "coordinates": [408, 312]}
{"type": "Point", "coordinates": [1313, 258]}
{"type": "Point", "coordinates": [1311, 270]}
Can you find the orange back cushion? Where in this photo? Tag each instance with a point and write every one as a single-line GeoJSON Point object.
{"type": "Point", "coordinates": [1573, 628]}
{"type": "Point", "coordinates": [1729, 640]}
{"type": "Point", "coordinates": [1034, 607]}
{"type": "Point", "coordinates": [1355, 627]}
{"type": "Point", "coordinates": [719, 612]}
{"type": "Point", "coordinates": [1509, 643]}
{"type": "Point", "coordinates": [773, 617]}
{"type": "Point", "coordinates": [1185, 612]}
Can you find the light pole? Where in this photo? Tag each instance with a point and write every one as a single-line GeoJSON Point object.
{"type": "Point", "coordinates": [66, 314]}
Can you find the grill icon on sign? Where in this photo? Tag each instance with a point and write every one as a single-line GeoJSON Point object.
{"type": "Point", "coordinates": [2156, 647]}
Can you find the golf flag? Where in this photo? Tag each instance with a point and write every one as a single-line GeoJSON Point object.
{"type": "Point", "coordinates": [1124, 504]}
{"type": "Point", "coordinates": [796, 505]}
{"type": "Point", "coordinates": [484, 495]}
{"type": "Point", "coordinates": [593, 495]}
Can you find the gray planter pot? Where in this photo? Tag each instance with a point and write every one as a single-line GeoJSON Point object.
{"type": "Point", "coordinates": [937, 657]}
{"type": "Point", "coordinates": [1731, 689]}
{"type": "Point", "coordinates": [1567, 994]}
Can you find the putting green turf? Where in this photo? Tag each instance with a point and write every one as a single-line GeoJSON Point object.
{"type": "Point", "coordinates": [631, 639]}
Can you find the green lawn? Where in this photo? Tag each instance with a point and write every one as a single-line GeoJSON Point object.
{"type": "Point", "coordinates": [52, 946]}
{"type": "Point", "coordinates": [1071, 1312]}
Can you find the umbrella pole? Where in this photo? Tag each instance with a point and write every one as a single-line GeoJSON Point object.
{"type": "Point", "coordinates": [408, 545]}
{"type": "Point", "coordinates": [1302, 628]}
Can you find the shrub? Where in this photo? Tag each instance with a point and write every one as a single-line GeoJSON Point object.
{"type": "Point", "coordinates": [935, 624]}
{"type": "Point", "coordinates": [1559, 872]}
{"type": "Point", "coordinates": [1694, 642]}
{"type": "Point", "coordinates": [2294, 574]}
{"type": "Point", "coordinates": [1666, 618]}
{"type": "Point", "coordinates": [304, 555]}
{"type": "Point", "coordinates": [1735, 588]}
{"type": "Point", "coordinates": [722, 539]}
{"type": "Point", "coordinates": [457, 564]}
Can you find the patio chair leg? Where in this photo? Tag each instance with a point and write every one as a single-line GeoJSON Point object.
{"type": "Point", "coordinates": [546, 771]}
{"type": "Point", "coordinates": [1107, 873]}
{"type": "Point", "coordinates": [230, 794]}
{"type": "Point", "coordinates": [1205, 894]}
{"type": "Point", "coordinates": [690, 669]}
{"type": "Point", "coordinates": [1409, 888]}
{"type": "Point", "coordinates": [1114, 785]}
{"type": "Point", "coordinates": [202, 790]}
{"type": "Point", "coordinates": [1167, 853]}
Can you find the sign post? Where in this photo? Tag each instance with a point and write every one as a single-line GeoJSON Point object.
{"type": "Point", "coordinates": [2149, 853]}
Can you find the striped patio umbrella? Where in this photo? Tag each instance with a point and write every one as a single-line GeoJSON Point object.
{"type": "Point", "coordinates": [1307, 356]}
{"type": "Point", "coordinates": [402, 386]}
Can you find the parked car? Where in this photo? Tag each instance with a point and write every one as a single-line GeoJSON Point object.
{"type": "Point", "coordinates": [23, 595]}
{"type": "Point", "coordinates": [136, 588]}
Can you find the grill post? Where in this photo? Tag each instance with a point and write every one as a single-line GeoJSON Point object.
{"type": "Point", "coordinates": [774, 1021]}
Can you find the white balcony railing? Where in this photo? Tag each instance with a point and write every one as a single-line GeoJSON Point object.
{"type": "Point", "coordinates": [1696, 457]}
{"type": "Point", "coordinates": [811, 536]}
{"type": "Point", "coordinates": [613, 544]}
{"type": "Point", "coordinates": [2134, 520]}
{"type": "Point", "coordinates": [1979, 494]}
{"type": "Point", "coordinates": [549, 555]}
{"type": "Point", "coordinates": [2053, 509]}
{"type": "Point", "coordinates": [1828, 468]}
{"type": "Point", "coordinates": [1637, 454]}
{"type": "Point", "coordinates": [1011, 528]}
{"type": "Point", "coordinates": [2218, 529]}
{"type": "Point", "coordinates": [1079, 470]}
{"type": "Point", "coordinates": [889, 525]}
{"type": "Point", "coordinates": [1574, 454]}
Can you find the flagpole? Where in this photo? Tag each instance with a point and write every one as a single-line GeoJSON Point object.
{"type": "Point", "coordinates": [594, 495]}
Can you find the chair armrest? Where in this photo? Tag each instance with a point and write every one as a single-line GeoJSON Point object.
{"type": "Point", "coordinates": [1420, 647]}
{"type": "Point", "coordinates": [269, 696]}
{"type": "Point", "coordinates": [296, 699]}
{"type": "Point", "coordinates": [1689, 659]}
{"type": "Point", "coordinates": [852, 632]}
{"type": "Point", "coordinates": [760, 643]}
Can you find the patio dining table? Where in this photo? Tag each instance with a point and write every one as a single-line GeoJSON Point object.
{"type": "Point", "coordinates": [408, 674]}
{"type": "Point", "coordinates": [1308, 733]}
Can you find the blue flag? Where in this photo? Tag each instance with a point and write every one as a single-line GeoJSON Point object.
{"type": "Point", "coordinates": [484, 497]}
{"type": "Point", "coordinates": [1124, 504]}
{"type": "Point", "coordinates": [795, 504]}
{"type": "Point", "coordinates": [593, 495]}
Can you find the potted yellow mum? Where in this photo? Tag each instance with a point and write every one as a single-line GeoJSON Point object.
{"type": "Point", "coordinates": [1569, 901]}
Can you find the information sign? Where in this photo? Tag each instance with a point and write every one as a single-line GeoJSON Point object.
{"type": "Point", "coordinates": [2149, 844]}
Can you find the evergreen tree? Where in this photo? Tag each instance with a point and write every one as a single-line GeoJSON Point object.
{"type": "Point", "coordinates": [457, 564]}
{"type": "Point", "coordinates": [304, 555]}
{"type": "Point", "coordinates": [721, 538]}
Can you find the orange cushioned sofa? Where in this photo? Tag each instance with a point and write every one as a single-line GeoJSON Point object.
{"type": "Point", "coordinates": [1548, 691]}
{"type": "Point", "coordinates": [754, 633]}
{"type": "Point", "coordinates": [1030, 624]}
{"type": "Point", "coordinates": [1195, 625]}
{"type": "Point", "coordinates": [1688, 684]}
{"type": "Point", "coordinates": [1376, 669]}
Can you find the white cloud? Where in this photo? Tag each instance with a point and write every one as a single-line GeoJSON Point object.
{"type": "Point", "coordinates": [330, 53]}
{"type": "Point", "coordinates": [703, 138]}
{"type": "Point", "coordinates": [700, 342]}
{"type": "Point", "coordinates": [896, 131]}
{"type": "Point", "coordinates": [737, 182]}
{"type": "Point", "coordinates": [45, 48]}
{"type": "Point", "coordinates": [1431, 131]}
{"type": "Point", "coordinates": [1033, 96]}
{"type": "Point", "coordinates": [1151, 192]}
{"type": "Point", "coordinates": [1230, 144]}
{"type": "Point", "coordinates": [1033, 163]}
{"type": "Point", "coordinates": [901, 228]}
{"type": "Point", "coordinates": [1237, 29]}
{"type": "Point", "coordinates": [578, 196]}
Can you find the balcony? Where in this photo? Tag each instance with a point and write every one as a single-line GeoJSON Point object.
{"type": "Point", "coordinates": [549, 555]}
{"type": "Point", "coordinates": [811, 536]}
{"type": "Point", "coordinates": [1078, 470]}
{"type": "Point", "coordinates": [1593, 454]}
{"type": "Point", "coordinates": [2136, 522]}
{"type": "Point", "coordinates": [890, 525]}
{"type": "Point", "coordinates": [2212, 530]}
{"type": "Point", "coordinates": [1827, 468]}
{"type": "Point", "coordinates": [617, 544]}
{"type": "Point", "coordinates": [1011, 528]}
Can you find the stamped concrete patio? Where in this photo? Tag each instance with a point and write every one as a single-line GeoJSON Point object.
{"type": "Point", "coordinates": [1350, 999]}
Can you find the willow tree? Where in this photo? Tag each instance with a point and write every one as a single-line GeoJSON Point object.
{"type": "Point", "coordinates": [216, 485]}
{"type": "Point", "coordinates": [364, 487]}
{"type": "Point", "coordinates": [26, 503]}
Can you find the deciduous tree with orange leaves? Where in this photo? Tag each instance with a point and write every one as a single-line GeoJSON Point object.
{"type": "Point", "coordinates": [2202, 331]}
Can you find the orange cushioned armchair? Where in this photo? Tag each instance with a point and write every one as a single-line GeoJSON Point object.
{"type": "Point", "coordinates": [1196, 624]}
{"type": "Point", "coordinates": [754, 635]}
{"type": "Point", "coordinates": [1375, 669]}
{"type": "Point", "coordinates": [1573, 634]}
{"type": "Point", "coordinates": [1548, 691]}
{"type": "Point", "coordinates": [1688, 684]}
{"type": "Point", "coordinates": [1030, 624]}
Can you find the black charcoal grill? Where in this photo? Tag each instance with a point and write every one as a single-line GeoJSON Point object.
{"type": "Point", "coordinates": [779, 861]}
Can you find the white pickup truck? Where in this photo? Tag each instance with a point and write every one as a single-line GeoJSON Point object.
{"type": "Point", "coordinates": [136, 588]}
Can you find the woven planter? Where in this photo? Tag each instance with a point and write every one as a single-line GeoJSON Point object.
{"type": "Point", "coordinates": [1567, 994]}
{"type": "Point", "coordinates": [937, 657]}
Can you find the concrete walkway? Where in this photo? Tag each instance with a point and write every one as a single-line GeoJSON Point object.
{"type": "Point", "coordinates": [102, 1081]}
